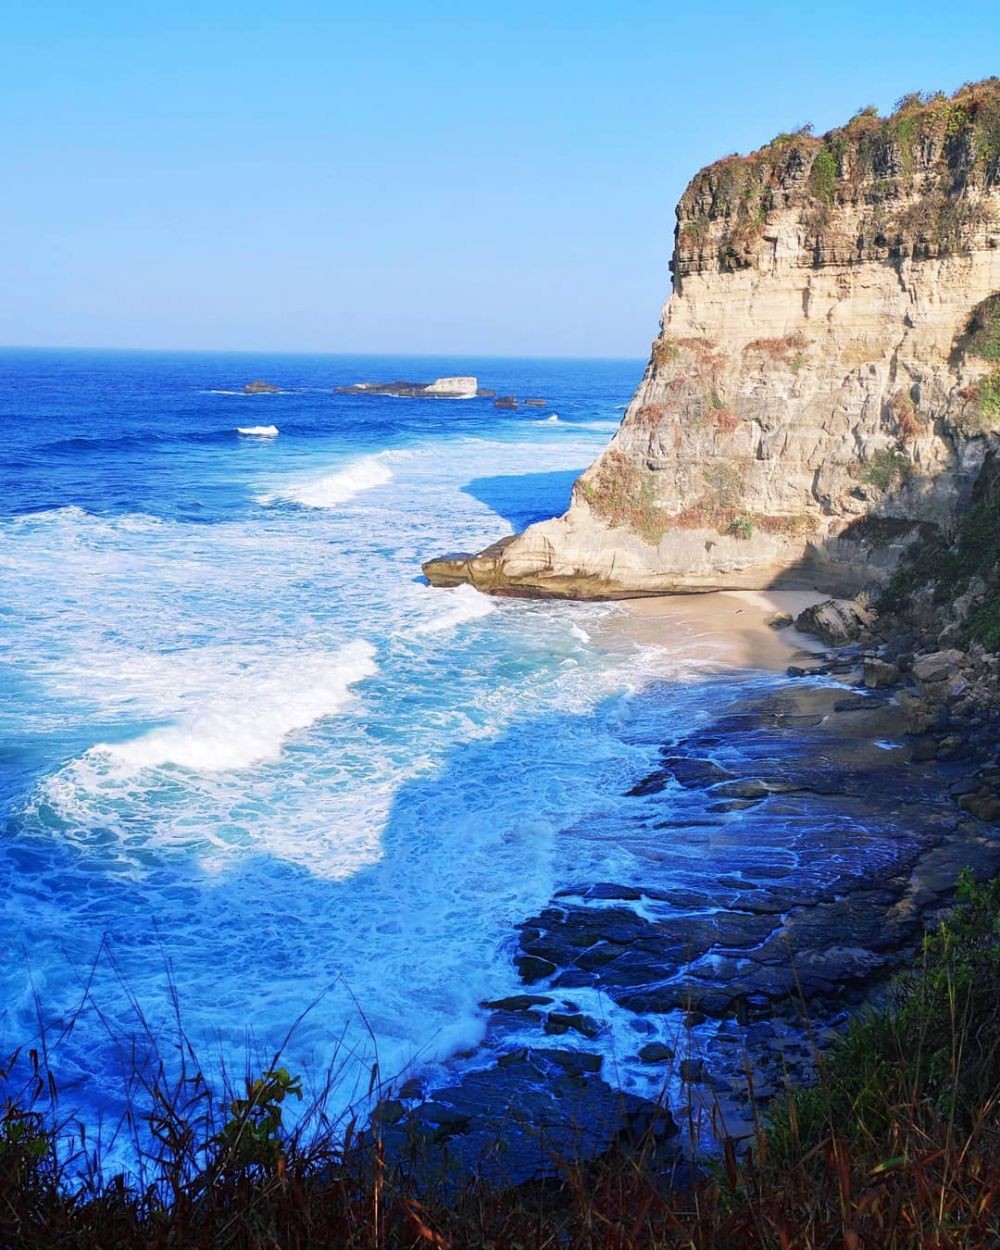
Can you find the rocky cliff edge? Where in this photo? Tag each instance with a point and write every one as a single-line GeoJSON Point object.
{"type": "Point", "coordinates": [825, 387]}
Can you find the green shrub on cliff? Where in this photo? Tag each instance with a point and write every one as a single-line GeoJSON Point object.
{"type": "Point", "coordinates": [887, 469]}
{"type": "Point", "coordinates": [989, 399]}
{"type": "Point", "coordinates": [823, 176]}
{"type": "Point", "coordinates": [983, 333]}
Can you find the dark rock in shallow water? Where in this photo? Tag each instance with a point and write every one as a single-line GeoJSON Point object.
{"type": "Point", "coordinates": [656, 1052]}
{"type": "Point", "coordinates": [519, 1002]}
{"type": "Point", "coordinates": [534, 969]}
{"type": "Point", "coordinates": [692, 1070]}
{"type": "Point", "coordinates": [696, 773]}
{"type": "Point", "coordinates": [562, 1022]}
{"type": "Point", "coordinates": [790, 905]}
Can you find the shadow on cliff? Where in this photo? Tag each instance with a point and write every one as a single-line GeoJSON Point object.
{"type": "Point", "coordinates": [522, 499]}
{"type": "Point", "coordinates": [865, 552]}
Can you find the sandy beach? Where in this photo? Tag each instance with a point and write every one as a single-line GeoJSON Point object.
{"type": "Point", "coordinates": [738, 618]}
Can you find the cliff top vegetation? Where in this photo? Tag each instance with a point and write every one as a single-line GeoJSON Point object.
{"type": "Point", "coordinates": [910, 173]}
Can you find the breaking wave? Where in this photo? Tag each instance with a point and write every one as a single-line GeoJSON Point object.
{"type": "Point", "coordinates": [258, 431]}
{"type": "Point", "coordinates": [335, 488]}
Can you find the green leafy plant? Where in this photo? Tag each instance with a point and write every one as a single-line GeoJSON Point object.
{"type": "Point", "coordinates": [989, 398]}
{"type": "Point", "coordinates": [253, 1134]}
{"type": "Point", "coordinates": [741, 527]}
{"type": "Point", "coordinates": [983, 333]}
{"type": "Point", "coordinates": [887, 469]}
{"type": "Point", "coordinates": [823, 175]}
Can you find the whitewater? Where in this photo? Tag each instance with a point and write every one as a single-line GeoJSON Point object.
{"type": "Point", "coordinates": [248, 752]}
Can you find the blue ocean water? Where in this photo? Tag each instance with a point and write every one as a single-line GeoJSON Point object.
{"type": "Point", "coordinates": [248, 755]}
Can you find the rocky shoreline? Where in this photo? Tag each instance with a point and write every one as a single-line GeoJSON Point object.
{"type": "Point", "coordinates": [840, 806]}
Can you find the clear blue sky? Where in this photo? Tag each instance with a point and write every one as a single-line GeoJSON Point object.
{"type": "Point", "coordinates": [444, 176]}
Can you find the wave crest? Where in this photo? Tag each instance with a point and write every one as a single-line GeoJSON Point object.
{"type": "Point", "coordinates": [335, 488]}
{"type": "Point", "coordinates": [466, 604]}
{"type": "Point", "coordinates": [249, 721]}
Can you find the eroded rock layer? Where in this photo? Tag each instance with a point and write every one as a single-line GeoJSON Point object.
{"type": "Point", "coordinates": [826, 382]}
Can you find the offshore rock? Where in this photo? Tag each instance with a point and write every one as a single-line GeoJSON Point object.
{"type": "Point", "coordinates": [819, 396]}
{"type": "Point", "coordinates": [441, 388]}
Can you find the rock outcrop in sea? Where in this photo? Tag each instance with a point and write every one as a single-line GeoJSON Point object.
{"type": "Point", "coordinates": [440, 388]}
{"type": "Point", "coordinates": [825, 388]}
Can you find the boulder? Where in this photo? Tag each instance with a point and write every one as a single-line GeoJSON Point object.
{"type": "Point", "coordinates": [656, 1052]}
{"type": "Point", "coordinates": [938, 666]}
{"type": "Point", "coordinates": [835, 621]}
{"type": "Point", "coordinates": [879, 673]}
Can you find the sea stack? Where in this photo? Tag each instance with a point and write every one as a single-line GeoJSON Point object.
{"type": "Point", "coordinates": [825, 385]}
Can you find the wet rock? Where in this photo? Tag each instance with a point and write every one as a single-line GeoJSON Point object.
{"type": "Point", "coordinates": [389, 1112]}
{"type": "Point", "coordinates": [780, 620]}
{"type": "Point", "coordinates": [692, 1071]}
{"type": "Point", "coordinates": [532, 968]}
{"type": "Point", "coordinates": [606, 890]}
{"type": "Point", "coordinates": [694, 773]}
{"type": "Point", "coordinates": [562, 1022]}
{"type": "Point", "coordinates": [750, 789]}
{"type": "Point", "coordinates": [656, 1052]}
{"type": "Point", "coordinates": [654, 783]}
{"type": "Point", "coordinates": [445, 1120]}
{"type": "Point", "coordinates": [518, 1002]}
{"type": "Point", "coordinates": [573, 1062]}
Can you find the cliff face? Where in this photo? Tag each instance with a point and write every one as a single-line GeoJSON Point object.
{"type": "Point", "coordinates": [826, 382]}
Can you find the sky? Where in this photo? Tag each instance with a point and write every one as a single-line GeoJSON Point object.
{"type": "Point", "coordinates": [439, 177]}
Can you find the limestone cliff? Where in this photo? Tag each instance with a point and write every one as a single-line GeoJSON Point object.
{"type": "Point", "coordinates": [826, 383]}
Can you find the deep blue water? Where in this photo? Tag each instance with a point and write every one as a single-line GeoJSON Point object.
{"type": "Point", "coordinates": [248, 755]}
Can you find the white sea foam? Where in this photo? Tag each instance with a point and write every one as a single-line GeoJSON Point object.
{"type": "Point", "coordinates": [577, 632]}
{"type": "Point", "coordinates": [380, 857]}
{"type": "Point", "coordinates": [258, 431]}
{"type": "Point", "coordinates": [465, 603]}
{"type": "Point", "coordinates": [333, 489]}
{"type": "Point", "coordinates": [249, 720]}
{"type": "Point", "coordinates": [552, 420]}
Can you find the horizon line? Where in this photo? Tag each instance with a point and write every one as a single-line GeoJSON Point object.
{"type": "Point", "coordinates": [263, 351]}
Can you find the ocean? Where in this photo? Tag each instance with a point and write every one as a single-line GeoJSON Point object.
{"type": "Point", "coordinates": [254, 772]}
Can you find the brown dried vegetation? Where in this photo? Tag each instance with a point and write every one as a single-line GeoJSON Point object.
{"type": "Point", "coordinates": [903, 413]}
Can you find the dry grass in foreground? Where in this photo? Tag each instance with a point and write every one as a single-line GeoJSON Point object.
{"type": "Point", "coordinates": [898, 1145]}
